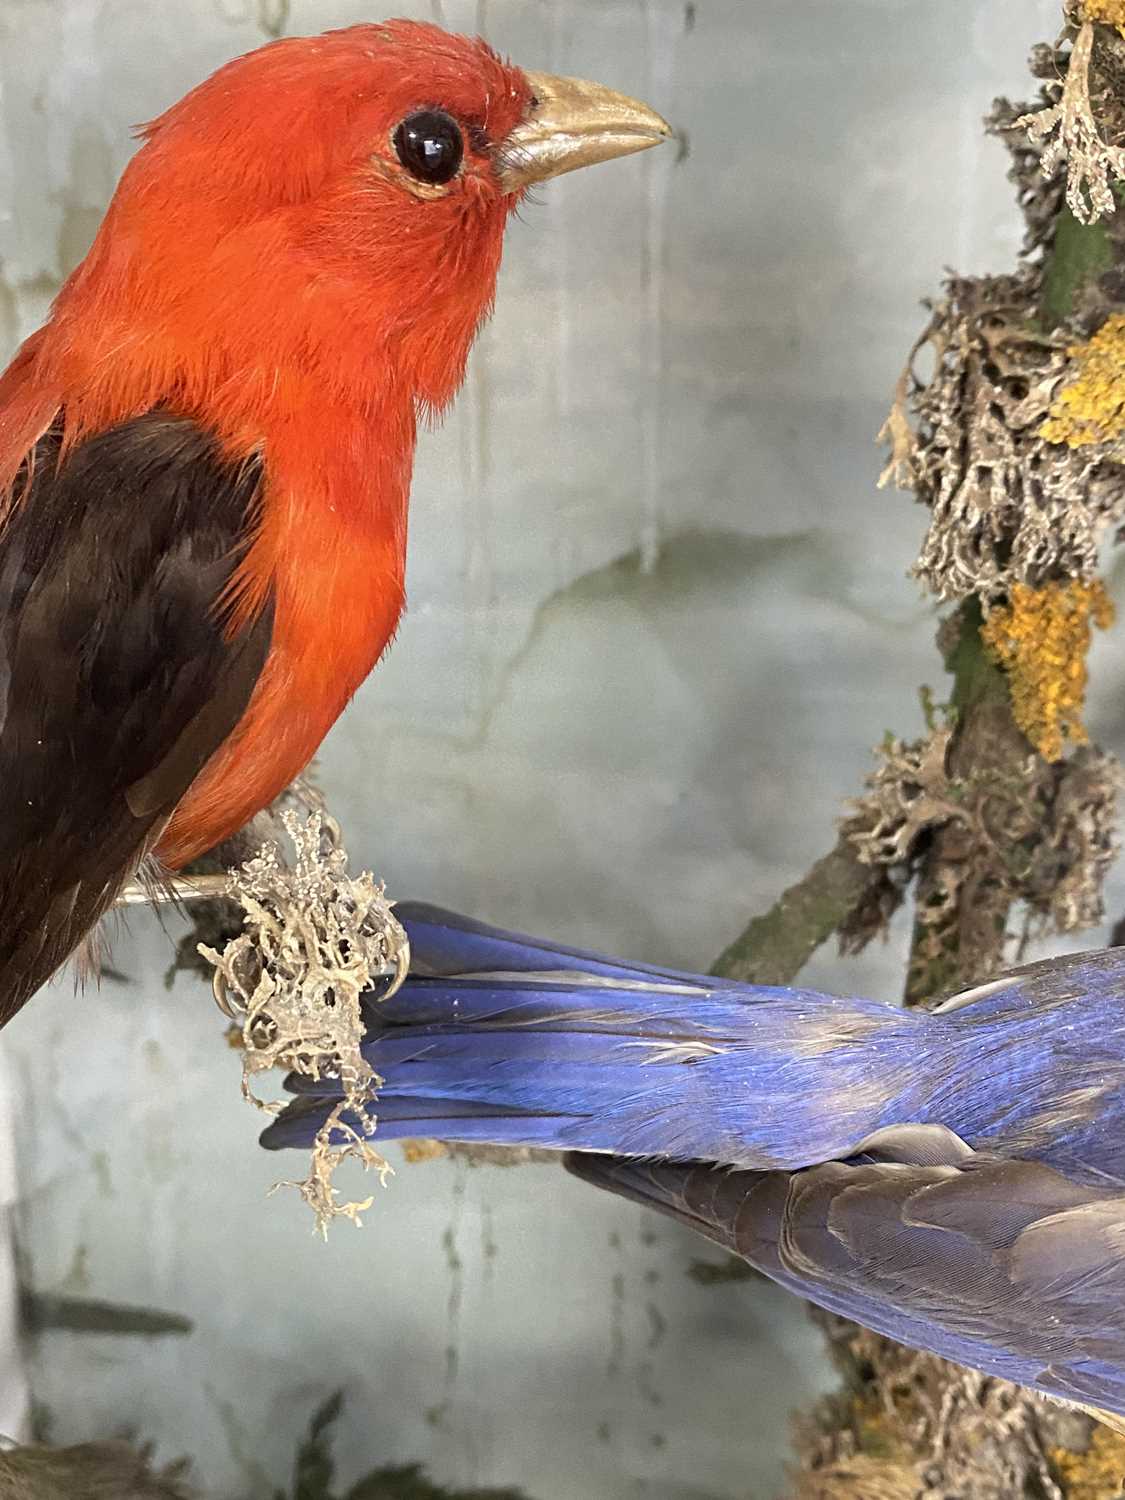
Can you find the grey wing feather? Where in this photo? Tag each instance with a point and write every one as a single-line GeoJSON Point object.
{"type": "Point", "coordinates": [1004, 1265]}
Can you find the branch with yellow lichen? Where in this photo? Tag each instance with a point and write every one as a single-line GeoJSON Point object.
{"type": "Point", "coordinates": [1011, 440]}
{"type": "Point", "coordinates": [1022, 634]}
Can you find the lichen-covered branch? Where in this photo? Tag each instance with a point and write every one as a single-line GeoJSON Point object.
{"type": "Point", "coordinates": [1021, 494]}
{"type": "Point", "coordinates": [987, 813]}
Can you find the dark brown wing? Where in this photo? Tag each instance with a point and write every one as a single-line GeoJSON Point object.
{"type": "Point", "coordinates": [116, 682]}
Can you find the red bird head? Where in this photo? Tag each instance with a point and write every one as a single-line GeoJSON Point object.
{"type": "Point", "coordinates": [344, 193]}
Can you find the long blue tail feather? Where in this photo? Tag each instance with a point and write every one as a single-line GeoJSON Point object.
{"type": "Point", "coordinates": [551, 1046]}
{"type": "Point", "coordinates": [558, 1047]}
{"type": "Point", "coordinates": [402, 1118]}
{"type": "Point", "coordinates": [444, 943]}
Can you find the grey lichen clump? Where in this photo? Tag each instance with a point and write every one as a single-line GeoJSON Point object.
{"type": "Point", "coordinates": [909, 792]}
{"type": "Point", "coordinates": [968, 429]}
{"type": "Point", "coordinates": [314, 940]}
{"type": "Point", "coordinates": [1065, 881]}
{"type": "Point", "coordinates": [1007, 506]}
{"type": "Point", "coordinates": [1046, 839]}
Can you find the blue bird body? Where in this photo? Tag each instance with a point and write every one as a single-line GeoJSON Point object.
{"type": "Point", "coordinates": [954, 1179]}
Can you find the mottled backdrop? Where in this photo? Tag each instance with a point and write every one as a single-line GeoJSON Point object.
{"type": "Point", "coordinates": [658, 613]}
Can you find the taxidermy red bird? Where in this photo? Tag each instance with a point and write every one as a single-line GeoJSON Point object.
{"type": "Point", "coordinates": [205, 454]}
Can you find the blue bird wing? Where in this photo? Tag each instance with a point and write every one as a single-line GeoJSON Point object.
{"type": "Point", "coordinates": [1006, 1266]}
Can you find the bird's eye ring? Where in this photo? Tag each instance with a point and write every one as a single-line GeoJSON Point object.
{"type": "Point", "coordinates": [430, 146]}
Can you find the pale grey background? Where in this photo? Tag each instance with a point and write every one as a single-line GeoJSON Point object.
{"type": "Point", "coordinates": [658, 614]}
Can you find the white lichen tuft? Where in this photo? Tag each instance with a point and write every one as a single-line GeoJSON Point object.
{"type": "Point", "coordinates": [314, 940]}
{"type": "Point", "coordinates": [1072, 138]}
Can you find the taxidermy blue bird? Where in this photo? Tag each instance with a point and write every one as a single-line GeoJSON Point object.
{"type": "Point", "coordinates": [954, 1179]}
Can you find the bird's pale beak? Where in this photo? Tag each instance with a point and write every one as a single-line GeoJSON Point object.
{"type": "Point", "coordinates": [571, 124]}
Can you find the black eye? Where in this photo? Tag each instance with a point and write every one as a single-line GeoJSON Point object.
{"type": "Point", "coordinates": [430, 146]}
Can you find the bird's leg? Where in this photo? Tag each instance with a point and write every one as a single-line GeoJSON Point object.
{"type": "Point", "coordinates": [175, 890]}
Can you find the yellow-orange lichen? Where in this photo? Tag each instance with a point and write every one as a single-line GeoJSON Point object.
{"type": "Point", "coordinates": [1041, 638]}
{"type": "Point", "coordinates": [1096, 1474]}
{"type": "Point", "coordinates": [1109, 12]}
{"type": "Point", "coordinates": [1091, 409]}
{"type": "Point", "coordinates": [414, 1151]}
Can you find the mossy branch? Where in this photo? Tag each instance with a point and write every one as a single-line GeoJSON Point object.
{"type": "Point", "coordinates": [1082, 254]}
{"type": "Point", "coordinates": [775, 947]}
{"type": "Point", "coordinates": [956, 942]}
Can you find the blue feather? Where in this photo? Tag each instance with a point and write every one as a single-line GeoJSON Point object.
{"type": "Point", "coordinates": [442, 943]}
